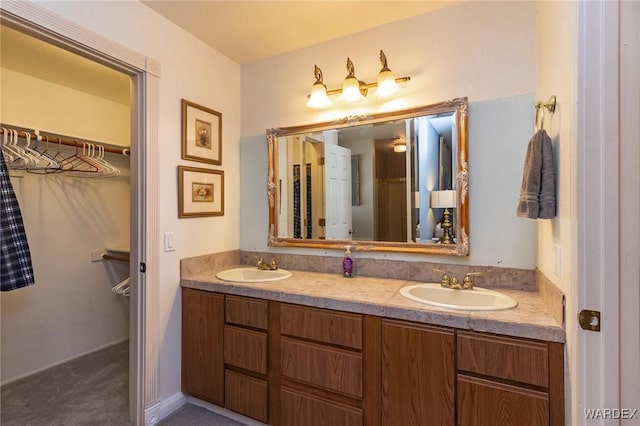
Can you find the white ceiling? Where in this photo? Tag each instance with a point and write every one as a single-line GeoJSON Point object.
{"type": "Point", "coordinates": [248, 31]}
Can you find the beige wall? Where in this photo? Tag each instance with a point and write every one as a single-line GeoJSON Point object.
{"type": "Point", "coordinates": [194, 71]}
{"type": "Point", "coordinates": [483, 50]}
{"type": "Point", "coordinates": [35, 103]}
{"type": "Point", "coordinates": [557, 58]}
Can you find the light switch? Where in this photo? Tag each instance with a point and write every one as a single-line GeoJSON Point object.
{"type": "Point", "coordinates": [169, 241]}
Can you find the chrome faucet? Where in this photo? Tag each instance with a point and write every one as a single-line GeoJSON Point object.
{"type": "Point", "coordinates": [272, 266]}
{"type": "Point", "coordinates": [450, 281]}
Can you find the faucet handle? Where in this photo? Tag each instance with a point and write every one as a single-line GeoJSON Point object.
{"type": "Point", "coordinates": [445, 281]}
{"type": "Point", "coordinates": [274, 264]}
{"type": "Point", "coordinates": [467, 282]}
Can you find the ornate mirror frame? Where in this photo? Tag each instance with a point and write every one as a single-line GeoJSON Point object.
{"type": "Point", "coordinates": [460, 248]}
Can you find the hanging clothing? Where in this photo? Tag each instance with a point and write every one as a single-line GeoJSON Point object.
{"type": "Point", "coordinates": [538, 190]}
{"type": "Point", "coordinates": [16, 269]}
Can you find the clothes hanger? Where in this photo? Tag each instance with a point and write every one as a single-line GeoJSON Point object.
{"type": "Point", "coordinates": [112, 170]}
{"type": "Point", "coordinates": [17, 160]}
{"type": "Point", "coordinates": [77, 165]}
{"type": "Point", "coordinates": [52, 165]}
{"type": "Point", "coordinates": [33, 155]}
{"type": "Point", "coordinates": [6, 152]}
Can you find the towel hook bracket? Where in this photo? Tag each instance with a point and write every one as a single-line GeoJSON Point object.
{"type": "Point", "coordinates": [550, 106]}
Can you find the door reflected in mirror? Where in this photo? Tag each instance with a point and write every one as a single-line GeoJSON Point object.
{"type": "Point", "coordinates": [373, 184]}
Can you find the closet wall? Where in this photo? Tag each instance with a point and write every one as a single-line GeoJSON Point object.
{"type": "Point", "coordinates": [71, 309]}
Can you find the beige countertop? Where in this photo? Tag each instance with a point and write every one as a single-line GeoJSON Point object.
{"type": "Point", "coordinates": [381, 297]}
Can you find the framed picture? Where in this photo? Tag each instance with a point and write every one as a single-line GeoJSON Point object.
{"type": "Point", "coordinates": [200, 192]}
{"type": "Point", "coordinates": [201, 133]}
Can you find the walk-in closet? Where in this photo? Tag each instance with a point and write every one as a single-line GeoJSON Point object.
{"type": "Point", "coordinates": [65, 137]}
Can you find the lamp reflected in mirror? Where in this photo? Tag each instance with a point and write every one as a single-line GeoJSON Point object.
{"type": "Point", "coordinates": [399, 145]}
{"type": "Point", "coordinates": [444, 200]}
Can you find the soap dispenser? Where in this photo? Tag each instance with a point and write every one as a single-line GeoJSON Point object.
{"type": "Point", "coordinates": [347, 264]}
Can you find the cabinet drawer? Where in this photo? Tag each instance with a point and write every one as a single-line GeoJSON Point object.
{"type": "Point", "coordinates": [485, 403]}
{"type": "Point", "coordinates": [245, 395]}
{"type": "Point", "coordinates": [336, 328]}
{"type": "Point", "coordinates": [333, 369]}
{"type": "Point", "coordinates": [245, 349]}
{"type": "Point", "coordinates": [506, 358]}
{"type": "Point", "coordinates": [246, 311]}
{"type": "Point", "coordinates": [298, 409]}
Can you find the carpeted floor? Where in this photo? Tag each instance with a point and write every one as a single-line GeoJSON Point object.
{"type": "Point", "coordinates": [192, 415]}
{"type": "Point", "coordinates": [90, 390]}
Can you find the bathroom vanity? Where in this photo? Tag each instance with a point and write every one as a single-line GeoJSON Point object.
{"type": "Point", "coordinates": [318, 349]}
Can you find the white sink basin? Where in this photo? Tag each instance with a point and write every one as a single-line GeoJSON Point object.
{"type": "Point", "coordinates": [478, 299]}
{"type": "Point", "coordinates": [251, 274]}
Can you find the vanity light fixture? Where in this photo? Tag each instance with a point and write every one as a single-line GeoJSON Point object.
{"type": "Point", "coordinates": [318, 97]}
{"type": "Point", "coordinates": [354, 90]}
{"type": "Point", "coordinates": [351, 91]}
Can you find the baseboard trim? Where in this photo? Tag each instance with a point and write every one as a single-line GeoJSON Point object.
{"type": "Point", "coordinates": [161, 409]}
{"type": "Point", "coordinates": [62, 361]}
{"type": "Point", "coordinates": [224, 412]}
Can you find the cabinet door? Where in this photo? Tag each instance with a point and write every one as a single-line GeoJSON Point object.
{"type": "Point", "coordinates": [300, 409]}
{"type": "Point", "coordinates": [486, 403]}
{"type": "Point", "coordinates": [202, 337]}
{"type": "Point", "coordinates": [246, 395]}
{"type": "Point", "coordinates": [417, 374]}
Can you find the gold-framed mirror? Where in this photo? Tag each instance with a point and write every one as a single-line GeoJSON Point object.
{"type": "Point", "coordinates": [395, 182]}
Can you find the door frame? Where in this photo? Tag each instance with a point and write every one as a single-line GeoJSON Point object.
{"type": "Point", "coordinates": [596, 356]}
{"type": "Point", "coordinates": [38, 22]}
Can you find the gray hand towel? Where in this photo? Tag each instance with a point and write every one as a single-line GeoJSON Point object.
{"type": "Point", "coordinates": [538, 190]}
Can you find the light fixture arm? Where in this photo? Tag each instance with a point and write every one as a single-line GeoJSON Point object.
{"type": "Point", "coordinates": [317, 73]}
{"type": "Point", "coordinates": [350, 69]}
{"type": "Point", "coordinates": [383, 62]}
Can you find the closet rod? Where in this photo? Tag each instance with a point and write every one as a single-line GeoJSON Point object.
{"type": "Point", "coordinates": [65, 140]}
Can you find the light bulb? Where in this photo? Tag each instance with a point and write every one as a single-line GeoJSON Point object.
{"type": "Point", "coordinates": [318, 98]}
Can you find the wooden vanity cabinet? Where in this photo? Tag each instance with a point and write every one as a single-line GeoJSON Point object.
{"type": "Point", "coordinates": [322, 368]}
{"type": "Point", "coordinates": [509, 381]}
{"type": "Point", "coordinates": [246, 355]}
{"type": "Point", "coordinates": [418, 374]}
{"type": "Point", "coordinates": [291, 365]}
{"type": "Point", "coordinates": [225, 351]}
{"type": "Point", "coordinates": [202, 343]}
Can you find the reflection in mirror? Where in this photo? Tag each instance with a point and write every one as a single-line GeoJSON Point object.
{"type": "Point", "coordinates": [390, 182]}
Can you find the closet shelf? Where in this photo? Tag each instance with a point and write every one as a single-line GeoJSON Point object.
{"type": "Point", "coordinates": [112, 257]}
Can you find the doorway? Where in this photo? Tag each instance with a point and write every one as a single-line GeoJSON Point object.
{"type": "Point", "coordinates": [143, 72]}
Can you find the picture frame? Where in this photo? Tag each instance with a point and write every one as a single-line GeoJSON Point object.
{"type": "Point", "coordinates": [201, 133]}
{"type": "Point", "coordinates": [200, 192]}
